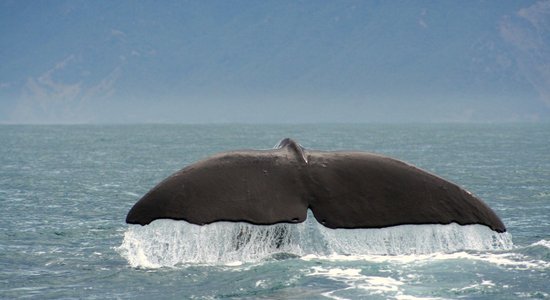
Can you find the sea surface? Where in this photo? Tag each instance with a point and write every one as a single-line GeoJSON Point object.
{"type": "Point", "coordinates": [65, 192]}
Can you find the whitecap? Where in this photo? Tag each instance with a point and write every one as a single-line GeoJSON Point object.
{"type": "Point", "coordinates": [384, 286]}
{"type": "Point", "coordinates": [543, 243]}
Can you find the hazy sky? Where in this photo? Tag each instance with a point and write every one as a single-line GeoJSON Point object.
{"type": "Point", "coordinates": [274, 61]}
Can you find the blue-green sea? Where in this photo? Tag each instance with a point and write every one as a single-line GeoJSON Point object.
{"type": "Point", "coordinates": [65, 192]}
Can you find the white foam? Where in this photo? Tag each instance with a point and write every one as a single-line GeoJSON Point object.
{"type": "Point", "coordinates": [508, 260]}
{"type": "Point", "coordinates": [543, 243]}
{"type": "Point", "coordinates": [354, 279]}
{"type": "Point", "coordinates": [483, 285]}
{"type": "Point", "coordinates": [165, 243]}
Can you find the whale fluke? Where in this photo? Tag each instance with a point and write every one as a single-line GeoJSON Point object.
{"type": "Point", "coordinates": [342, 189]}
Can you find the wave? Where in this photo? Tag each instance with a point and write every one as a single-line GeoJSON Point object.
{"type": "Point", "coordinates": [396, 274]}
{"type": "Point", "coordinates": [166, 243]}
{"type": "Point", "coordinates": [542, 243]}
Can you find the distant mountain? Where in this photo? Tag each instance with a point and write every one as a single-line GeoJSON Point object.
{"type": "Point", "coordinates": [274, 61]}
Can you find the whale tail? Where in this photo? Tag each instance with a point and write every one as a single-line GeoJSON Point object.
{"type": "Point", "coordinates": [342, 189]}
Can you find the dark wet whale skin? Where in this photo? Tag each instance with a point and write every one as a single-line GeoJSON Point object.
{"type": "Point", "coordinates": [343, 190]}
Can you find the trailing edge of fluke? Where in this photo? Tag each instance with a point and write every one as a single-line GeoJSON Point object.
{"type": "Point", "coordinates": [342, 189]}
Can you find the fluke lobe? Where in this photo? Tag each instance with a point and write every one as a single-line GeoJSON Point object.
{"type": "Point", "coordinates": [342, 189]}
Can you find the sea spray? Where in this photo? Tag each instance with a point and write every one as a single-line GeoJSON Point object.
{"type": "Point", "coordinates": [169, 243]}
{"type": "Point", "coordinates": [414, 239]}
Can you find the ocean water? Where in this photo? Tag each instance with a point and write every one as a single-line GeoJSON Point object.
{"type": "Point", "coordinates": [65, 192]}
